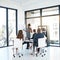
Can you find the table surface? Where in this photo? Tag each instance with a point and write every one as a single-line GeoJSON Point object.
{"type": "Point", "coordinates": [28, 40]}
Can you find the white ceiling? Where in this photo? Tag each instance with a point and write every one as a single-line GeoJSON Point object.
{"type": "Point", "coordinates": [33, 4]}
{"type": "Point", "coordinates": [25, 2]}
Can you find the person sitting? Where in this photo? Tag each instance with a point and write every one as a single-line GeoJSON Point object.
{"type": "Point", "coordinates": [34, 33]}
{"type": "Point", "coordinates": [36, 37]}
{"type": "Point", "coordinates": [18, 43]}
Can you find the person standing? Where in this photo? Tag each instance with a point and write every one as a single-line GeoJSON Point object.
{"type": "Point", "coordinates": [28, 31]}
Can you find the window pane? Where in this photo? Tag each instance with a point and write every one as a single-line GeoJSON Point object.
{"type": "Point", "coordinates": [35, 22]}
{"type": "Point", "coordinates": [33, 13]}
{"type": "Point", "coordinates": [3, 39]}
{"type": "Point", "coordinates": [11, 25]}
{"type": "Point", "coordinates": [50, 11]}
{"type": "Point", "coordinates": [52, 24]}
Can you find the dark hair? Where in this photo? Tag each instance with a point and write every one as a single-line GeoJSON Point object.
{"type": "Point", "coordinates": [34, 30]}
{"type": "Point", "coordinates": [29, 24]}
{"type": "Point", "coordinates": [20, 34]}
{"type": "Point", "coordinates": [20, 31]}
{"type": "Point", "coordinates": [43, 29]}
{"type": "Point", "coordinates": [39, 30]}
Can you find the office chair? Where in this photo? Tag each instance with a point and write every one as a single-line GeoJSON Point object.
{"type": "Point", "coordinates": [17, 48]}
{"type": "Point", "coordinates": [42, 44]}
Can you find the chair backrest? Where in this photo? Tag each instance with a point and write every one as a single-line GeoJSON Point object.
{"type": "Point", "coordinates": [42, 42]}
{"type": "Point", "coordinates": [17, 42]}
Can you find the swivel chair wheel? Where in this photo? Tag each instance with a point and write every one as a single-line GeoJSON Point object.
{"type": "Point", "coordinates": [36, 55]}
{"type": "Point", "coordinates": [22, 54]}
{"type": "Point", "coordinates": [14, 56]}
{"type": "Point", "coordinates": [19, 56]}
{"type": "Point", "coordinates": [42, 55]}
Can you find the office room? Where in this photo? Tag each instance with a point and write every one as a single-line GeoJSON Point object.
{"type": "Point", "coordinates": [15, 15]}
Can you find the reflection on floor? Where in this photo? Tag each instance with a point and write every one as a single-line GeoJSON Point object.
{"type": "Point", "coordinates": [52, 53]}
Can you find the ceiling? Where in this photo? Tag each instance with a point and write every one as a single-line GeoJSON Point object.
{"type": "Point", "coordinates": [33, 4]}
{"type": "Point", "coordinates": [25, 2]}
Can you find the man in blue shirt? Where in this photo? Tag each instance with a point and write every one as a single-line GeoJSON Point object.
{"type": "Point", "coordinates": [37, 36]}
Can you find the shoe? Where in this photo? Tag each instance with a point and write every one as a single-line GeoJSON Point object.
{"type": "Point", "coordinates": [42, 55]}
{"type": "Point", "coordinates": [22, 54]}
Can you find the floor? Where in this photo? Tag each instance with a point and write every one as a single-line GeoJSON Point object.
{"type": "Point", "coordinates": [51, 53]}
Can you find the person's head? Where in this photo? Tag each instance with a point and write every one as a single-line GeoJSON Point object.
{"type": "Point", "coordinates": [20, 34]}
{"type": "Point", "coordinates": [29, 25]}
{"type": "Point", "coordinates": [20, 31]}
{"type": "Point", "coordinates": [43, 29]}
{"type": "Point", "coordinates": [34, 30]}
{"type": "Point", "coordinates": [39, 30]}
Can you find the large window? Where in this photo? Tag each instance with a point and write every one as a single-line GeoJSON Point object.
{"type": "Point", "coordinates": [35, 22]}
{"type": "Point", "coordinates": [33, 17]}
{"type": "Point", "coordinates": [11, 25]}
{"type": "Point", "coordinates": [8, 25]}
{"type": "Point", "coordinates": [3, 37]}
{"type": "Point", "coordinates": [35, 13]}
{"type": "Point", "coordinates": [48, 17]}
{"type": "Point", "coordinates": [50, 11]}
{"type": "Point", "coordinates": [52, 23]}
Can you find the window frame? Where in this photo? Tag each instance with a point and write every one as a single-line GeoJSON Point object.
{"type": "Point", "coordinates": [7, 8]}
{"type": "Point", "coordinates": [41, 16]}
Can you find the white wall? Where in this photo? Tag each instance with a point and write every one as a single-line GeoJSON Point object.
{"type": "Point", "coordinates": [39, 4]}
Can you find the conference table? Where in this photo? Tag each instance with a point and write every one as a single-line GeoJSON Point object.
{"type": "Point", "coordinates": [28, 43]}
